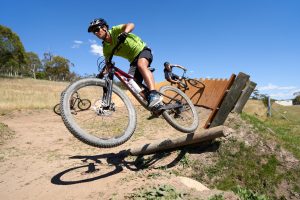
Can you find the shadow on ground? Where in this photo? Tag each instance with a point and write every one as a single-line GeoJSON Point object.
{"type": "Point", "coordinates": [97, 167]}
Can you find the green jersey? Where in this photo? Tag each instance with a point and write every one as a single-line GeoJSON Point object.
{"type": "Point", "coordinates": [132, 46]}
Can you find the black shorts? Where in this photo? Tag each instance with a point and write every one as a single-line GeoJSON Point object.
{"type": "Point", "coordinates": [145, 53]}
{"type": "Point", "coordinates": [174, 77]}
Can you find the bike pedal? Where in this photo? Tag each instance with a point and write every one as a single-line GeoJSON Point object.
{"type": "Point", "coordinates": [157, 110]}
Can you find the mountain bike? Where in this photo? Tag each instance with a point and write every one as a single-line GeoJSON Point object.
{"type": "Point", "coordinates": [112, 118]}
{"type": "Point", "coordinates": [183, 80]}
{"type": "Point", "coordinates": [75, 102]}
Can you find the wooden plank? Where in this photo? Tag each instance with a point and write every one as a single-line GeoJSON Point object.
{"type": "Point", "coordinates": [230, 99]}
{"type": "Point", "coordinates": [192, 138]}
{"type": "Point", "coordinates": [244, 97]}
{"type": "Point", "coordinates": [220, 99]}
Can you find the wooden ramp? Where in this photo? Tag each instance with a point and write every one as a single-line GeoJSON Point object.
{"type": "Point", "coordinates": [221, 96]}
{"type": "Point", "coordinates": [187, 139]}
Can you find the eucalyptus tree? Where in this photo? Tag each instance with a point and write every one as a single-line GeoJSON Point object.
{"type": "Point", "coordinates": [12, 52]}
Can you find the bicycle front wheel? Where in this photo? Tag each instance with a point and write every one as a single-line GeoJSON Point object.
{"type": "Point", "coordinates": [99, 125]}
{"type": "Point", "coordinates": [183, 116]}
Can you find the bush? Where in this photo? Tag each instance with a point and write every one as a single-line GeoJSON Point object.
{"type": "Point", "coordinates": [40, 75]}
{"type": "Point", "coordinates": [296, 101]}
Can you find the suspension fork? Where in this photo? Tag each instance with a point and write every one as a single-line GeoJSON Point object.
{"type": "Point", "coordinates": [107, 89]}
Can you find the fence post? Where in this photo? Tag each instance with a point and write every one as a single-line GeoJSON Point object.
{"type": "Point", "coordinates": [269, 107]}
{"type": "Point", "coordinates": [244, 97]}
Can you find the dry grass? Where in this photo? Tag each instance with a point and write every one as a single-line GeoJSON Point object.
{"type": "Point", "coordinates": [29, 93]}
{"type": "Point", "coordinates": [256, 107]}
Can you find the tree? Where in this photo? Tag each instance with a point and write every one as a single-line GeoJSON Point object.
{"type": "Point", "coordinates": [57, 68]}
{"type": "Point", "coordinates": [297, 93]}
{"type": "Point", "coordinates": [34, 64]}
{"type": "Point", "coordinates": [296, 101]}
{"type": "Point", "coordinates": [12, 52]}
{"type": "Point", "coordinates": [263, 97]}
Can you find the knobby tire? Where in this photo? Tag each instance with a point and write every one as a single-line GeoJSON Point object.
{"type": "Point", "coordinates": [85, 136]}
{"type": "Point", "coordinates": [171, 118]}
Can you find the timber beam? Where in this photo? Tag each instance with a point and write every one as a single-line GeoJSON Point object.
{"type": "Point", "coordinates": [188, 139]}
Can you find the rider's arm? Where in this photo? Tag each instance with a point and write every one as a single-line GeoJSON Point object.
{"type": "Point", "coordinates": [179, 66]}
{"type": "Point", "coordinates": [127, 27]}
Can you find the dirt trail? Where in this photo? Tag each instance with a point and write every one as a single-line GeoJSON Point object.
{"type": "Point", "coordinates": [44, 161]}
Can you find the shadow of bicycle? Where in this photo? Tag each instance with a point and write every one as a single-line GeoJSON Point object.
{"type": "Point", "coordinates": [97, 167]}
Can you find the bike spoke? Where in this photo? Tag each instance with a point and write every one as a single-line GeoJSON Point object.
{"type": "Point", "coordinates": [111, 122]}
{"type": "Point", "coordinates": [182, 115]}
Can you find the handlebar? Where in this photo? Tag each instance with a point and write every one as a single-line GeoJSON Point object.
{"type": "Point", "coordinates": [108, 62]}
{"type": "Point", "coordinates": [183, 75]}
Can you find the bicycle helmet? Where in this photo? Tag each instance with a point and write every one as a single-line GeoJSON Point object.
{"type": "Point", "coordinates": [97, 22]}
{"type": "Point", "coordinates": [166, 64]}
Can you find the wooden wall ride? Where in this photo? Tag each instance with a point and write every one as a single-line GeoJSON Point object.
{"type": "Point", "coordinates": [220, 95]}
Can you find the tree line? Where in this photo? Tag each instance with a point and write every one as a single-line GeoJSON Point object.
{"type": "Point", "coordinates": [16, 62]}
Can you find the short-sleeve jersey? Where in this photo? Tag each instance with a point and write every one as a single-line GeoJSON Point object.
{"type": "Point", "coordinates": [132, 46]}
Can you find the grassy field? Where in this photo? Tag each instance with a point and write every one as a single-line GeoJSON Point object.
{"type": "Point", "coordinates": [29, 94]}
{"type": "Point", "coordinates": [283, 125]}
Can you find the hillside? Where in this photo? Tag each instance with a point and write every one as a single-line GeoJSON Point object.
{"type": "Point", "coordinates": [40, 159]}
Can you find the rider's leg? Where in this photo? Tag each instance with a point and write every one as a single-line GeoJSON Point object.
{"type": "Point", "coordinates": [143, 64]}
{"type": "Point", "coordinates": [154, 97]}
{"type": "Point", "coordinates": [139, 67]}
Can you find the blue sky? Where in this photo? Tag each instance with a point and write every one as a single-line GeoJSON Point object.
{"type": "Point", "coordinates": [212, 38]}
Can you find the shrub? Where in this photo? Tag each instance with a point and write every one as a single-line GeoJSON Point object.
{"type": "Point", "coordinates": [296, 101]}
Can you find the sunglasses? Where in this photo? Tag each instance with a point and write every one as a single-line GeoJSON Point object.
{"type": "Point", "coordinates": [97, 29]}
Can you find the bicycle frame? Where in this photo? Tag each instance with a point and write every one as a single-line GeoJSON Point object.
{"type": "Point", "coordinates": [124, 78]}
{"type": "Point", "coordinates": [73, 100]}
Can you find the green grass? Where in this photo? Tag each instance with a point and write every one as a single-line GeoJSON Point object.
{"type": "Point", "coordinates": [246, 194]}
{"type": "Point", "coordinates": [217, 197]}
{"type": "Point", "coordinates": [245, 167]}
{"type": "Point", "coordinates": [164, 192]}
{"type": "Point", "coordinates": [240, 166]}
{"type": "Point", "coordinates": [250, 172]}
{"type": "Point", "coordinates": [286, 133]}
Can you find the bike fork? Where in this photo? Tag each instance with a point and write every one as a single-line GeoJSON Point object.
{"type": "Point", "coordinates": [107, 90]}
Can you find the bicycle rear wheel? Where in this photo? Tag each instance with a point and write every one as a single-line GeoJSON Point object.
{"type": "Point", "coordinates": [183, 118]}
{"type": "Point", "coordinates": [56, 109]}
{"type": "Point", "coordinates": [99, 125]}
{"type": "Point", "coordinates": [84, 104]}
{"type": "Point", "coordinates": [196, 83]}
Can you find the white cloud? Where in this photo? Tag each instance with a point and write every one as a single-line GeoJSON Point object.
{"type": "Point", "coordinates": [97, 49]}
{"type": "Point", "coordinates": [279, 92]}
{"type": "Point", "coordinates": [92, 41]}
{"type": "Point", "coordinates": [281, 95]}
{"type": "Point", "coordinates": [270, 86]}
{"type": "Point", "coordinates": [76, 44]}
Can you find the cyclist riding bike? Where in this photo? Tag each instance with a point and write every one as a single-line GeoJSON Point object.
{"type": "Point", "coordinates": [169, 75]}
{"type": "Point", "coordinates": [132, 48]}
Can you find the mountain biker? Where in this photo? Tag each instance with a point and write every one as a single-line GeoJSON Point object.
{"type": "Point", "coordinates": [132, 48]}
{"type": "Point", "coordinates": [169, 75]}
